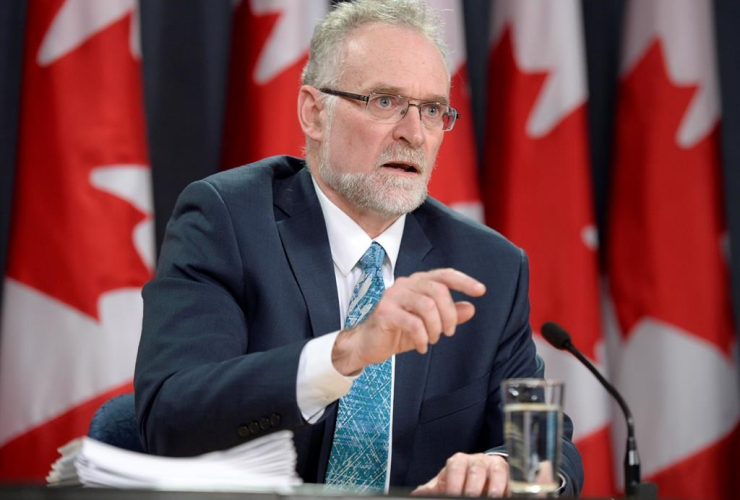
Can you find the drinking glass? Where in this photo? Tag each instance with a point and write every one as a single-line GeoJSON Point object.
{"type": "Point", "coordinates": [533, 427]}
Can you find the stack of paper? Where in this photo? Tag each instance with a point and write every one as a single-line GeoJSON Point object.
{"type": "Point", "coordinates": [264, 464]}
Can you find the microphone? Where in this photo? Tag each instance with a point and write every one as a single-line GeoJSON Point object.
{"type": "Point", "coordinates": [560, 339]}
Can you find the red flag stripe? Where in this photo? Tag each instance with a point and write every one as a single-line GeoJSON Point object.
{"type": "Point", "coordinates": [455, 181]}
{"type": "Point", "coordinates": [538, 193]}
{"type": "Point", "coordinates": [81, 229]}
{"type": "Point", "coordinates": [668, 278]}
{"type": "Point", "coordinates": [261, 112]}
{"type": "Point", "coordinates": [28, 457]}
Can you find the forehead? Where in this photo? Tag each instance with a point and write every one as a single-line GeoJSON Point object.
{"type": "Point", "coordinates": [382, 56]}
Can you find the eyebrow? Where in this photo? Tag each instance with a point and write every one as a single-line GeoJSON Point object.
{"type": "Point", "coordinates": [396, 91]}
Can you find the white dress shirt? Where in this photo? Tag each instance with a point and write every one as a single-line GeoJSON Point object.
{"type": "Point", "coordinates": [319, 384]}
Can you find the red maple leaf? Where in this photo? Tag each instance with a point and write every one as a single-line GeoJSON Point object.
{"type": "Point", "coordinates": [538, 194]}
{"type": "Point", "coordinates": [455, 178]}
{"type": "Point", "coordinates": [261, 119]}
{"type": "Point", "coordinates": [69, 240]}
{"type": "Point", "coordinates": [666, 220]}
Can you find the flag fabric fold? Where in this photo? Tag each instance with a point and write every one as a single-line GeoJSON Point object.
{"type": "Point", "coordinates": [667, 265]}
{"type": "Point", "coordinates": [81, 242]}
{"type": "Point", "coordinates": [81, 237]}
{"type": "Point", "coordinates": [270, 42]}
{"type": "Point", "coordinates": [538, 193]}
{"type": "Point", "coordinates": [455, 180]}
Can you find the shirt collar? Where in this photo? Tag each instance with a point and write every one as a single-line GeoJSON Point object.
{"type": "Point", "coordinates": [349, 242]}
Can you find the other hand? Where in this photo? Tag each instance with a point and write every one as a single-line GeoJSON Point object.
{"type": "Point", "coordinates": [469, 475]}
{"type": "Point", "coordinates": [411, 314]}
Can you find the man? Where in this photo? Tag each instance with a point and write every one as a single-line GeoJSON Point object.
{"type": "Point", "coordinates": [263, 265]}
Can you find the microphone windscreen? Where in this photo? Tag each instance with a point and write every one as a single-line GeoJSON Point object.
{"type": "Point", "coordinates": [555, 335]}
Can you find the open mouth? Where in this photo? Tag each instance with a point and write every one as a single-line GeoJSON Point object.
{"type": "Point", "coordinates": [402, 167]}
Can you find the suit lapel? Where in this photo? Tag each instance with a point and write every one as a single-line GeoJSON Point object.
{"type": "Point", "coordinates": [411, 367]}
{"type": "Point", "coordinates": [306, 245]}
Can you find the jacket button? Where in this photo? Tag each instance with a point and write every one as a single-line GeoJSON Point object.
{"type": "Point", "coordinates": [243, 431]}
{"type": "Point", "coordinates": [254, 428]}
{"type": "Point", "coordinates": [275, 419]}
{"type": "Point", "coordinates": [264, 423]}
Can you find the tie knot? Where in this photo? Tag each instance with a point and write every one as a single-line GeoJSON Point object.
{"type": "Point", "coordinates": [373, 258]}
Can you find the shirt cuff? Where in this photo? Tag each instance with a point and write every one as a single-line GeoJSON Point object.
{"type": "Point", "coordinates": [319, 384]}
{"type": "Point", "coordinates": [563, 483]}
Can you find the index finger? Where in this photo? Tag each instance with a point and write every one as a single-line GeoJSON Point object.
{"type": "Point", "coordinates": [459, 281]}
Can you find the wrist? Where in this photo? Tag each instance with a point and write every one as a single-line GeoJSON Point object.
{"type": "Point", "coordinates": [344, 354]}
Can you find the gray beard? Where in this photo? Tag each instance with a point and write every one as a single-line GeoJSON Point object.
{"type": "Point", "coordinates": [378, 191]}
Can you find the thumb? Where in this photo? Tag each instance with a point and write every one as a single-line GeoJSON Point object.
{"type": "Point", "coordinates": [465, 311]}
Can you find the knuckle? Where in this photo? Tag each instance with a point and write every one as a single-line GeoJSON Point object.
{"type": "Point", "coordinates": [416, 325]}
{"type": "Point", "coordinates": [456, 466]}
{"type": "Point", "coordinates": [428, 304]}
{"type": "Point", "coordinates": [477, 468]}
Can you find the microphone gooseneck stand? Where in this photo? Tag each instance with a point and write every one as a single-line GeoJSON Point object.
{"type": "Point", "coordinates": [633, 486]}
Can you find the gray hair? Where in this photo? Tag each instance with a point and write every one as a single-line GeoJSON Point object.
{"type": "Point", "coordinates": [327, 44]}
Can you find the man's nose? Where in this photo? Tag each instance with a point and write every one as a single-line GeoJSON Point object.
{"type": "Point", "coordinates": [410, 128]}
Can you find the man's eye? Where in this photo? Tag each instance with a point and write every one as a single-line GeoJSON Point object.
{"type": "Point", "coordinates": [433, 110]}
{"type": "Point", "coordinates": [384, 102]}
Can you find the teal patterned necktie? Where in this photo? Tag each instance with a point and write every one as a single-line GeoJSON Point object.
{"type": "Point", "coordinates": [359, 454]}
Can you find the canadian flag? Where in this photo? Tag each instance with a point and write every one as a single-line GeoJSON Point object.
{"type": "Point", "coordinates": [677, 362]}
{"type": "Point", "coordinates": [82, 240]}
{"type": "Point", "coordinates": [269, 48]}
{"type": "Point", "coordinates": [538, 193]}
{"type": "Point", "coordinates": [455, 181]}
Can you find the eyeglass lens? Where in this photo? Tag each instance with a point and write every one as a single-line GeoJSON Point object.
{"type": "Point", "coordinates": [392, 108]}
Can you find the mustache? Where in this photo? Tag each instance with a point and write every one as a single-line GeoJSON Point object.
{"type": "Point", "coordinates": [403, 154]}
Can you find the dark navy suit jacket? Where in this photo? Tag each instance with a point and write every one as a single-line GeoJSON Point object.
{"type": "Point", "coordinates": [245, 279]}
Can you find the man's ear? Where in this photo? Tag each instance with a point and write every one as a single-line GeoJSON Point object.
{"type": "Point", "coordinates": [310, 112]}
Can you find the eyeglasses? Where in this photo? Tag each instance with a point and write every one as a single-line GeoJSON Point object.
{"type": "Point", "coordinates": [389, 108]}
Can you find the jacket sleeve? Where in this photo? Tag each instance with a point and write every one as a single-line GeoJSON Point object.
{"type": "Point", "coordinates": [517, 358]}
{"type": "Point", "coordinates": [198, 387]}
